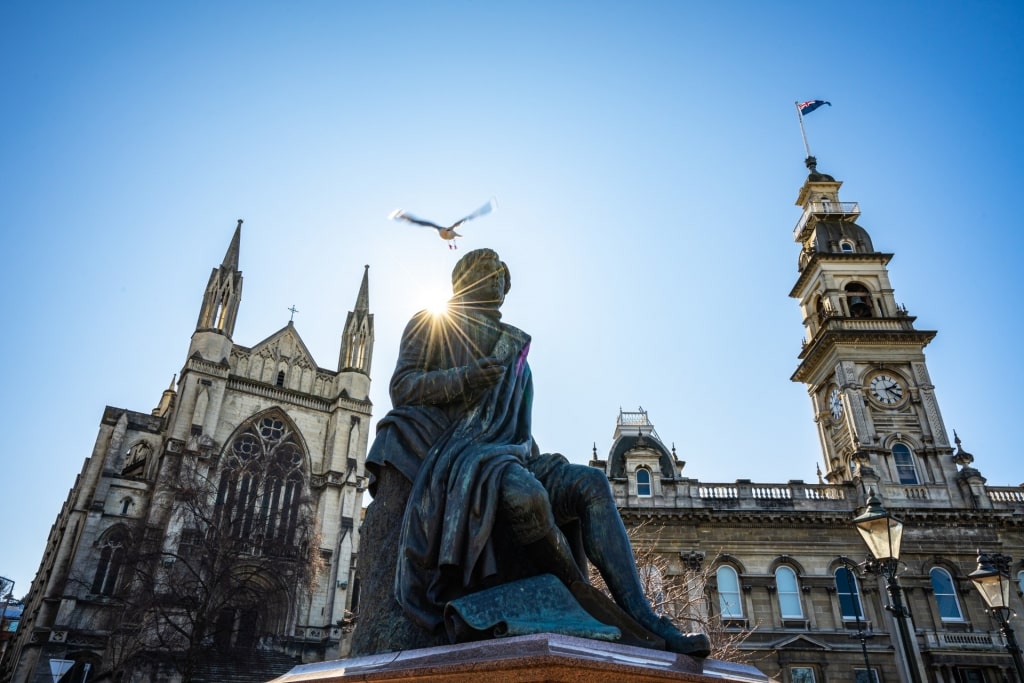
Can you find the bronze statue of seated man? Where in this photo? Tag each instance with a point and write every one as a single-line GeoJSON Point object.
{"type": "Point", "coordinates": [463, 498]}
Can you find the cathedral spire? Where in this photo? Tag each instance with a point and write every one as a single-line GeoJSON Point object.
{"type": "Point", "coordinates": [357, 338]}
{"type": "Point", "coordinates": [363, 298]}
{"type": "Point", "coordinates": [223, 292]}
{"type": "Point", "coordinates": [167, 400]}
{"type": "Point", "coordinates": [231, 257]}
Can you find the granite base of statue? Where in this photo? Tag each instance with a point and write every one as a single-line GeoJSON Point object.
{"type": "Point", "coordinates": [537, 658]}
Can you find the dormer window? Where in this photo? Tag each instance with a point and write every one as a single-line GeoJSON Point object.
{"type": "Point", "coordinates": [643, 482]}
{"type": "Point", "coordinates": [846, 247]}
{"type": "Point", "coordinates": [858, 301]}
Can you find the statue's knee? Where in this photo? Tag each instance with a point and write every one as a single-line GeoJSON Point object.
{"type": "Point", "coordinates": [525, 506]}
{"type": "Point", "coordinates": [591, 484]}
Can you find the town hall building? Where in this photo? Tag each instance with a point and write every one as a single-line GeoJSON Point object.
{"type": "Point", "coordinates": [780, 567]}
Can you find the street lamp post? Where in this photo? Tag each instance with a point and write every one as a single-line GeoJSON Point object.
{"type": "Point", "coordinates": [993, 582]}
{"type": "Point", "coordinates": [883, 533]}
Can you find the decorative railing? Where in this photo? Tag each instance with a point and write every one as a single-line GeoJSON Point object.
{"type": "Point", "coordinates": [718, 491]}
{"type": "Point", "coordinates": [1005, 494]}
{"type": "Point", "coordinates": [793, 491]}
{"type": "Point", "coordinates": [915, 492]}
{"type": "Point", "coordinates": [825, 493]}
{"type": "Point", "coordinates": [964, 641]}
{"type": "Point", "coordinates": [825, 210]}
{"type": "Point", "coordinates": [840, 324]}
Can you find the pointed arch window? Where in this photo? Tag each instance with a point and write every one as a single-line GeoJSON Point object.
{"type": "Point", "coordinates": [945, 595]}
{"type": "Point", "coordinates": [280, 378]}
{"type": "Point", "coordinates": [858, 301]}
{"type": "Point", "coordinates": [906, 468]}
{"type": "Point", "coordinates": [108, 570]}
{"type": "Point", "coordinates": [729, 602]}
{"type": "Point", "coordinates": [261, 487]}
{"type": "Point", "coordinates": [643, 482]}
{"type": "Point", "coordinates": [788, 592]}
{"type": "Point", "coordinates": [849, 595]}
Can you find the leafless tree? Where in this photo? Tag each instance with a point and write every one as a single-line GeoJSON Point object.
{"type": "Point", "coordinates": [236, 554]}
{"type": "Point", "coordinates": [678, 590]}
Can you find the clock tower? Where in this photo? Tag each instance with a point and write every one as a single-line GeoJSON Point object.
{"type": "Point", "coordinates": [863, 358]}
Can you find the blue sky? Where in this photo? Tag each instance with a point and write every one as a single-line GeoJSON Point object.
{"type": "Point", "coordinates": [645, 157]}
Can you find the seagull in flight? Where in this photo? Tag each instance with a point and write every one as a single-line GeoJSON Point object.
{"type": "Point", "coordinates": [446, 233]}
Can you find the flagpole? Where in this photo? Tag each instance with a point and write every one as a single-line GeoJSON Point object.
{"type": "Point", "coordinates": [803, 134]}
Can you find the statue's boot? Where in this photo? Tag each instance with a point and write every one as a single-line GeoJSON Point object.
{"type": "Point", "coordinates": [608, 547]}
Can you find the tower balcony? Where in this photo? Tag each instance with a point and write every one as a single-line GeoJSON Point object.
{"type": "Point", "coordinates": [836, 323]}
{"type": "Point", "coordinates": [843, 211]}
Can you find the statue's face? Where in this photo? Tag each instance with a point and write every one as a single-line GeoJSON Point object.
{"type": "Point", "coordinates": [485, 283]}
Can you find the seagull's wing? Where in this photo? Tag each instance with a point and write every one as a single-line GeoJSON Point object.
{"type": "Point", "coordinates": [482, 211]}
{"type": "Point", "coordinates": [400, 215]}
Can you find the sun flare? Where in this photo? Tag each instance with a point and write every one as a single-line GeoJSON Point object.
{"type": "Point", "coordinates": [439, 307]}
{"type": "Point", "coordinates": [436, 301]}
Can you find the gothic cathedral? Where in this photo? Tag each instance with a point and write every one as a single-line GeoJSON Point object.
{"type": "Point", "coordinates": [222, 526]}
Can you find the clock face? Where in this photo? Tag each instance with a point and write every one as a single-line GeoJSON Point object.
{"type": "Point", "coordinates": [835, 404]}
{"type": "Point", "coordinates": [886, 389]}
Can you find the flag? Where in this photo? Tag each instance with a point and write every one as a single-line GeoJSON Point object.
{"type": "Point", "coordinates": [810, 105]}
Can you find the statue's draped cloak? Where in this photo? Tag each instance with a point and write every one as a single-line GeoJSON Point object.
{"type": "Point", "coordinates": [446, 547]}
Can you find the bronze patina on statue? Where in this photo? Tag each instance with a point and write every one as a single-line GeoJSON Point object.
{"type": "Point", "coordinates": [472, 530]}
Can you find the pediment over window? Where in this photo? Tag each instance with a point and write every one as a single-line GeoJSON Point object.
{"type": "Point", "coordinates": [800, 642]}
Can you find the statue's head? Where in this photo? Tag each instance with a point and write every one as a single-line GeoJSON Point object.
{"type": "Point", "coordinates": [476, 276]}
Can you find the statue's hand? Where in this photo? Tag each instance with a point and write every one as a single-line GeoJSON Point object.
{"type": "Point", "coordinates": [484, 373]}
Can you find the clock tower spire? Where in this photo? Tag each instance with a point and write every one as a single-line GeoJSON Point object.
{"type": "Point", "coordinates": [863, 358]}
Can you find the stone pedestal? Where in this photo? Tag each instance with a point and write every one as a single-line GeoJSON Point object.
{"type": "Point", "coordinates": [539, 658]}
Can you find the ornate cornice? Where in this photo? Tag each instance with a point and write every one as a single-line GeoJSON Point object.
{"type": "Point", "coordinates": [805, 272]}
{"type": "Point", "coordinates": [281, 395]}
{"type": "Point", "coordinates": [813, 353]}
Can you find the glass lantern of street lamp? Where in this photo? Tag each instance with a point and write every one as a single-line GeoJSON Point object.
{"type": "Point", "coordinates": [993, 584]}
{"type": "Point", "coordinates": [882, 532]}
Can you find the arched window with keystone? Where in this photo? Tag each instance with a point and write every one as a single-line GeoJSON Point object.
{"type": "Point", "coordinates": [906, 467]}
{"type": "Point", "coordinates": [850, 605]}
{"type": "Point", "coordinates": [788, 593]}
{"type": "Point", "coordinates": [643, 482]}
{"type": "Point", "coordinates": [945, 595]}
{"type": "Point", "coordinates": [730, 603]}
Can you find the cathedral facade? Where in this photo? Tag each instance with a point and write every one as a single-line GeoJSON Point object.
{"type": "Point", "coordinates": [220, 526]}
{"type": "Point", "coordinates": [780, 567]}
